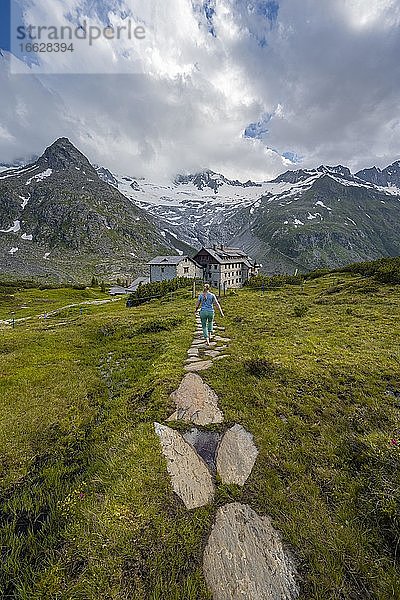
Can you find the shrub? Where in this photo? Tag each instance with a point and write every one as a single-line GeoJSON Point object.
{"type": "Point", "coordinates": [275, 281]}
{"type": "Point", "coordinates": [157, 325]}
{"type": "Point", "coordinates": [300, 310]}
{"type": "Point", "coordinates": [386, 270]}
{"type": "Point", "coordinates": [260, 367]}
{"type": "Point", "coordinates": [157, 289]}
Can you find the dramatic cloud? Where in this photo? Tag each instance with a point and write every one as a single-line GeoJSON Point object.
{"type": "Point", "coordinates": [245, 87]}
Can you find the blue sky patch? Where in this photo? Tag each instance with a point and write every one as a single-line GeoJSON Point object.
{"type": "Point", "coordinates": [268, 9]}
{"type": "Point", "coordinates": [258, 130]}
{"type": "Point", "coordinates": [292, 156]}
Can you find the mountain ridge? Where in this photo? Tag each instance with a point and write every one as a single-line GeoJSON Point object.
{"type": "Point", "coordinates": [302, 219]}
{"type": "Point", "coordinates": [73, 224]}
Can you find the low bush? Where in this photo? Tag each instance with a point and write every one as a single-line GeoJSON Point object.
{"type": "Point", "coordinates": [275, 281]}
{"type": "Point", "coordinates": [157, 289]}
{"type": "Point", "coordinates": [157, 325]}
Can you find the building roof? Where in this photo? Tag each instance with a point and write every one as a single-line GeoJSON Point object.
{"type": "Point", "coordinates": [167, 260]}
{"type": "Point", "coordinates": [224, 254]}
{"type": "Point", "coordinates": [138, 281]}
{"type": "Point", "coordinates": [117, 290]}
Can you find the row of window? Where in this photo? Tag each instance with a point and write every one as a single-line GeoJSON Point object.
{"type": "Point", "coordinates": [229, 282]}
{"type": "Point", "coordinates": [233, 273]}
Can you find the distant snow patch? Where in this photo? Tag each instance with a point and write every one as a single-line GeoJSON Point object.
{"type": "Point", "coordinates": [311, 216]}
{"type": "Point", "coordinates": [46, 255]}
{"type": "Point", "coordinates": [24, 201]}
{"type": "Point", "coordinates": [40, 176]}
{"type": "Point", "coordinates": [320, 203]}
{"type": "Point", "coordinates": [13, 229]}
{"type": "Point", "coordinates": [298, 222]}
{"type": "Point", "coordinates": [26, 236]}
{"type": "Point", "coordinates": [13, 251]}
{"type": "Point", "coordinates": [368, 215]}
{"type": "Point", "coordinates": [354, 223]}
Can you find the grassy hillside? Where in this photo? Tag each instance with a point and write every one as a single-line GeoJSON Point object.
{"type": "Point", "coordinates": [86, 506]}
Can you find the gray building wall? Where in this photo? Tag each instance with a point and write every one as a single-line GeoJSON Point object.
{"type": "Point", "coordinates": [186, 268]}
{"type": "Point", "coordinates": [232, 275]}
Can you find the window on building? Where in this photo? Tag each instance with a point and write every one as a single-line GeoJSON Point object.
{"type": "Point", "coordinates": [186, 269]}
{"type": "Point", "coordinates": [162, 269]}
{"type": "Point", "coordinates": [215, 267]}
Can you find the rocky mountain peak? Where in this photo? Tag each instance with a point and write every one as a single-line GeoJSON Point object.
{"type": "Point", "coordinates": [212, 180]}
{"type": "Point", "coordinates": [336, 170]}
{"type": "Point", "coordinates": [383, 177]}
{"type": "Point", "coordinates": [62, 155]}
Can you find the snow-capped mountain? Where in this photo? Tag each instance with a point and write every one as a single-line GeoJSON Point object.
{"type": "Point", "coordinates": [302, 219]}
{"type": "Point", "coordinates": [192, 208]}
{"type": "Point", "coordinates": [60, 221]}
{"type": "Point", "coordinates": [389, 177]}
{"type": "Point", "coordinates": [60, 217]}
{"type": "Point", "coordinates": [324, 217]}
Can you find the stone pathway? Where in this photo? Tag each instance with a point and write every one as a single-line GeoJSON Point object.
{"type": "Point", "coordinates": [244, 557]}
{"type": "Point", "coordinates": [206, 354]}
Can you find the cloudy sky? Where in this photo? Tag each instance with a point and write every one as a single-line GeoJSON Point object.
{"type": "Point", "coordinates": [248, 88]}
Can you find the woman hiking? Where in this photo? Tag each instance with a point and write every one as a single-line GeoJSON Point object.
{"type": "Point", "coordinates": [207, 300]}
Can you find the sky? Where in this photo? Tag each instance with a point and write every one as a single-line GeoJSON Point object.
{"type": "Point", "coordinates": [247, 88]}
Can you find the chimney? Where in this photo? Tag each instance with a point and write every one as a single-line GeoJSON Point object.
{"type": "Point", "coordinates": [215, 247]}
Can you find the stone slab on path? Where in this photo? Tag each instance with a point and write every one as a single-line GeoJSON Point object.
{"type": "Point", "coordinates": [236, 456]}
{"type": "Point", "coordinates": [245, 560]}
{"type": "Point", "coordinates": [196, 402]}
{"type": "Point", "coordinates": [193, 352]}
{"type": "Point", "coordinates": [218, 338]}
{"type": "Point", "coordinates": [190, 477]}
{"type": "Point", "coordinates": [212, 353]}
{"type": "Point", "coordinates": [222, 356]}
{"type": "Point", "coordinates": [205, 443]}
{"type": "Point", "coordinates": [193, 359]}
{"type": "Point", "coordinates": [204, 345]}
{"type": "Point", "coordinates": [198, 366]}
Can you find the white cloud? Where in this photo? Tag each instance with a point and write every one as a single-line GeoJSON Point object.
{"type": "Point", "coordinates": [327, 72]}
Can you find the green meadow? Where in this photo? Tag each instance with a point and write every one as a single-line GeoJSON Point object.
{"type": "Point", "coordinates": [86, 508]}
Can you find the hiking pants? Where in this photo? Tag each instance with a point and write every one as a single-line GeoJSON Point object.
{"type": "Point", "coordinates": [207, 318]}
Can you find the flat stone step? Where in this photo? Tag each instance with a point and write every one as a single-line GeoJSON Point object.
{"type": "Point", "coordinates": [205, 443]}
{"type": "Point", "coordinates": [218, 338]}
{"type": "Point", "coordinates": [212, 353]}
{"type": "Point", "coordinates": [193, 359]}
{"type": "Point", "coordinates": [245, 559]}
{"type": "Point", "coordinates": [198, 366]}
{"type": "Point", "coordinates": [237, 454]}
{"type": "Point", "coordinates": [204, 345]}
{"type": "Point", "coordinates": [222, 356]}
{"type": "Point", "coordinates": [196, 402]}
{"type": "Point", "coordinates": [190, 477]}
{"type": "Point", "coordinates": [193, 352]}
